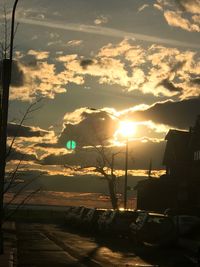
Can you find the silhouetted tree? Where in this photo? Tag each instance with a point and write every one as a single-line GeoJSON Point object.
{"type": "Point", "coordinates": [104, 164]}
{"type": "Point", "coordinates": [11, 180]}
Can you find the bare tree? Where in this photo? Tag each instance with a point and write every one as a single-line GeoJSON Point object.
{"type": "Point", "coordinates": [104, 163]}
{"type": "Point", "coordinates": [104, 166]}
{"type": "Point", "coordinates": [11, 180]}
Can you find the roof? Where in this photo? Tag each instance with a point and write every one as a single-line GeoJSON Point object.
{"type": "Point", "coordinates": [177, 146]}
{"type": "Point", "coordinates": [177, 134]}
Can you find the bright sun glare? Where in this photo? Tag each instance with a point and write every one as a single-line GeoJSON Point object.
{"type": "Point", "coordinates": [127, 128]}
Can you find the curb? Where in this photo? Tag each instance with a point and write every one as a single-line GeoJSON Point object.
{"type": "Point", "coordinates": [85, 258]}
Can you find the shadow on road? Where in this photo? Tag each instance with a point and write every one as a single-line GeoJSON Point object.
{"type": "Point", "coordinates": [155, 256]}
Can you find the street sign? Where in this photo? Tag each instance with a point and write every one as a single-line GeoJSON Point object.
{"type": "Point", "coordinates": [71, 145]}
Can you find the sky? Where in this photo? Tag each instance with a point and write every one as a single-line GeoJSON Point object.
{"type": "Point", "coordinates": [126, 59]}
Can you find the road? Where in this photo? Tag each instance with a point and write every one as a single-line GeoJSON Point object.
{"type": "Point", "coordinates": [41, 245]}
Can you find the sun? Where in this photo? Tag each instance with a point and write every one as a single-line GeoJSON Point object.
{"type": "Point", "coordinates": [127, 128]}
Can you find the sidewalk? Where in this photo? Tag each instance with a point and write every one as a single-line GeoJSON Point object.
{"type": "Point", "coordinates": [36, 249]}
{"type": "Point", "coordinates": [8, 259]}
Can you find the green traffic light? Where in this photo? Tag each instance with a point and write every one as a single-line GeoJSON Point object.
{"type": "Point", "coordinates": [71, 145]}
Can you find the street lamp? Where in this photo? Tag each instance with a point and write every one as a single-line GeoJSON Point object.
{"type": "Point", "coordinates": [126, 128]}
{"type": "Point", "coordinates": [6, 79]}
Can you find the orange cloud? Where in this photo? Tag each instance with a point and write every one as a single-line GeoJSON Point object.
{"type": "Point", "coordinates": [182, 14]}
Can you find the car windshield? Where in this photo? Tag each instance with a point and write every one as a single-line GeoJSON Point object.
{"type": "Point", "coordinates": [156, 219]}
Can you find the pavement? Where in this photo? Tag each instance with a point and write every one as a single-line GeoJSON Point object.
{"type": "Point", "coordinates": [35, 249]}
{"type": "Point", "coordinates": [9, 258]}
{"type": "Point", "coordinates": [27, 246]}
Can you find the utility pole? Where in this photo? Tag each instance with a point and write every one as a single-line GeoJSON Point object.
{"type": "Point", "coordinates": [6, 79]}
{"type": "Point", "coordinates": [126, 175]}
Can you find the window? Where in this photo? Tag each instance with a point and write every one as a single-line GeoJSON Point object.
{"type": "Point", "coordinates": [197, 155]}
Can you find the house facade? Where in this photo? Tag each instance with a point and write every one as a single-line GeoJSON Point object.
{"type": "Point", "coordinates": [179, 188]}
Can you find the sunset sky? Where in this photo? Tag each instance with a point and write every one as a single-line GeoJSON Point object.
{"type": "Point", "coordinates": [135, 59]}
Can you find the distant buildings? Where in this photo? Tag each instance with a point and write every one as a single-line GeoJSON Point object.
{"type": "Point", "coordinates": [179, 188]}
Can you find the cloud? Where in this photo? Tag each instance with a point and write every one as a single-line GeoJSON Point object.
{"type": "Point", "coordinates": [89, 127]}
{"type": "Point", "coordinates": [26, 140]}
{"type": "Point", "coordinates": [158, 6]}
{"type": "Point", "coordinates": [86, 62]}
{"type": "Point", "coordinates": [191, 6]}
{"type": "Point", "coordinates": [175, 19]}
{"type": "Point", "coordinates": [39, 78]}
{"type": "Point", "coordinates": [180, 114]}
{"type": "Point", "coordinates": [142, 7]}
{"type": "Point", "coordinates": [101, 20]}
{"type": "Point", "coordinates": [105, 31]}
{"type": "Point", "coordinates": [74, 43]}
{"type": "Point", "coordinates": [108, 70]}
{"type": "Point", "coordinates": [196, 19]}
{"type": "Point", "coordinates": [35, 77]}
{"type": "Point", "coordinates": [139, 156]}
{"type": "Point", "coordinates": [39, 55]}
{"type": "Point", "coordinates": [181, 13]}
{"type": "Point", "coordinates": [86, 128]}
{"type": "Point", "coordinates": [156, 70]}
{"type": "Point", "coordinates": [169, 86]}
{"type": "Point", "coordinates": [25, 131]}
{"type": "Point", "coordinates": [95, 127]}
{"type": "Point", "coordinates": [19, 155]}
{"type": "Point", "coordinates": [195, 80]}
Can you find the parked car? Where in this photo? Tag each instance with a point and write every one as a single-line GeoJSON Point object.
{"type": "Point", "coordinates": [68, 213]}
{"type": "Point", "coordinates": [119, 221]}
{"type": "Point", "coordinates": [186, 224]}
{"type": "Point", "coordinates": [79, 217]}
{"type": "Point", "coordinates": [153, 228]}
{"type": "Point", "coordinates": [90, 220]}
{"type": "Point", "coordinates": [102, 220]}
{"type": "Point", "coordinates": [71, 214]}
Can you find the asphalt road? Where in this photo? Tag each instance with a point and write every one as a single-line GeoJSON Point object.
{"type": "Point", "coordinates": [41, 245]}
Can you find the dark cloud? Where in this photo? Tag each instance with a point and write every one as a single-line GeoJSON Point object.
{"type": "Point", "coordinates": [17, 78]}
{"type": "Point", "coordinates": [180, 4]}
{"type": "Point", "coordinates": [181, 114]}
{"type": "Point", "coordinates": [178, 66]}
{"type": "Point", "coordinates": [20, 155]}
{"type": "Point", "coordinates": [169, 86]}
{"type": "Point", "coordinates": [139, 156]}
{"type": "Point", "coordinates": [25, 131]}
{"type": "Point", "coordinates": [93, 128]}
{"type": "Point", "coordinates": [183, 4]}
{"type": "Point", "coordinates": [86, 62]}
{"type": "Point", "coordinates": [195, 80]}
{"type": "Point", "coordinates": [30, 61]}
{"type": "Point", "coordinates": [47, 145]}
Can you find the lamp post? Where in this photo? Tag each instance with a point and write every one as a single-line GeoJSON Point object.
{"type": "Point", "coordinates": [126, 175]}
{"type": "Point", "coordinates": [6, 79]}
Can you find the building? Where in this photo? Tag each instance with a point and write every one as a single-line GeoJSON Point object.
{"type": "Point", "coordinates": [179, 188]}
